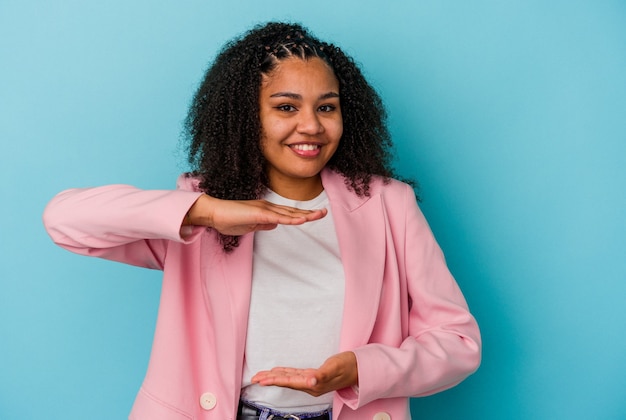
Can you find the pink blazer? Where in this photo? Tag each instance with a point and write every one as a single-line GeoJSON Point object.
{"type": "Point", "coordinates": [404, 315]}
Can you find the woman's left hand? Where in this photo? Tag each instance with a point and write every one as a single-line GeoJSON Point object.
{"type": "Point", "coordinates": [337, 372]}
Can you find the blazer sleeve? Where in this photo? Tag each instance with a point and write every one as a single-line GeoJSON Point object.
{"type": "Point", "coordinates": [120, 222]}
{"type": "Point", "coordinates": [443, 344]}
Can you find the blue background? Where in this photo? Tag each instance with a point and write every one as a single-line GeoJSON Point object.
{"type": "Point", "coordinates": [511, 114]}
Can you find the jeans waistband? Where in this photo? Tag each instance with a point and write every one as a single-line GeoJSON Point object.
{"type": "Point", "coordinates": [251, 411]}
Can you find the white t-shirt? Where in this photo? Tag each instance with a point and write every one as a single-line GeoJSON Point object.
{"type": "Point", "coordinates": [296, 305]}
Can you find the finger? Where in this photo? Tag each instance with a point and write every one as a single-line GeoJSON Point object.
{"type": "Point", "coordinates": [265, 226]}
{"type": "Point", "coordinates": [294, 219]}
{"type": "Point", "coordinates": [309, 215]}
{"type": "Point", "coordinates": [299, 382]}
{"type": "Point", "coordinates": [276, 372]}
{"type": "Point", "coordinates": [302, 379]}
{"type": "Point", "coordinates": [295, 212]}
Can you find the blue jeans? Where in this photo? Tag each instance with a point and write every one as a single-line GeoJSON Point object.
{"type": "Point", "coordinates": [251, 411]}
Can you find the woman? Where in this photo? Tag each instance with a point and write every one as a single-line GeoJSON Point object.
{"type": "Point", "coordinates": [300, 279]}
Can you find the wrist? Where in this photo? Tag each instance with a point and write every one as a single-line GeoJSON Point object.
{"type": "Point", "coordinates": [201, 213]}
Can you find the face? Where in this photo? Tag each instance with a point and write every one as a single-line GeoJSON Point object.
{"type": "Point", "coordinates": [301, 124]}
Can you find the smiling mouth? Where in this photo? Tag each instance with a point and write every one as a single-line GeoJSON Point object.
{"type": "Point", "coordinates": [305, 147]}
{"type": "Point", "coordinates": [306, 150]}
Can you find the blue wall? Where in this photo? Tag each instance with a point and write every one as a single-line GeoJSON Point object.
{"type": "Point", "coordinates": [511, 114]}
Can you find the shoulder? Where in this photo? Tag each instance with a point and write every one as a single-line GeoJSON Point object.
{"type": "Point", "coordinates": [377, 185]}
{"type": "Point", "coordinates": [396, 196]}
{"type": "Point", "coordinates": [188, 182]}
{"type": "Point", "coordinates": [392, 191]}
{"type": "Point", "coordinates": [385, 186]}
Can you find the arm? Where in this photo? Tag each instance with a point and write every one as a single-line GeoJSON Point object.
{"type": "Point", "coordinates": [119, 222]}
{"type": "Point", "coordinates": [443, 343]}
{"type": "Point", "coordinates": [126, 224]}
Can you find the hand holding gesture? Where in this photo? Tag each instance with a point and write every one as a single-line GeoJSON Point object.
{"type": "Point", "coordinates": [337, 372]}
{"type": "Point", "coordinates": [238, 217]}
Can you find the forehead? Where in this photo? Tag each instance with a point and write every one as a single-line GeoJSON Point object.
{"type": "Point", "coordinates": [297, 73]}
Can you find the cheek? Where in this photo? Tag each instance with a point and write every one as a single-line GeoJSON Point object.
{"type": "Point", "coordinates": [338, 130]}
{"type": "Point", "coordinates": [275, 130]}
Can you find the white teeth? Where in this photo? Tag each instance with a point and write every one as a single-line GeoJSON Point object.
{"type": "Point", "coordinates": [305, 147]}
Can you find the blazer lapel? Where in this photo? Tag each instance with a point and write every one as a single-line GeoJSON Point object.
{"type": "Point", "coordinates": [359, 222]}
{"type": "Point", "coordinates": [238, 281]}
{"type": "Point", "coordinates": [229, 297]}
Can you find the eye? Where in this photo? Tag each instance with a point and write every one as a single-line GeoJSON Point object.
{"type": "Point", "coordinates": [327, 108]}
{"type": "Point", "coordinates": [286, 108]}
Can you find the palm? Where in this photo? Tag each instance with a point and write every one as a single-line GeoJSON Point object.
{"type": "Point", "coordinates": [337, 372]}
{"type": "Point", "coordinates": [238, 217]}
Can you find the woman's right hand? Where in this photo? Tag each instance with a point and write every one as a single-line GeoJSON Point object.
{"type": "Point", "coordinates": [238, 217]}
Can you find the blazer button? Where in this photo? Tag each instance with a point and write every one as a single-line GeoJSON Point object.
{"type": "Point", "coordinates": [381, 416]}
{"type": "Point", "coordinates": [208, 401]}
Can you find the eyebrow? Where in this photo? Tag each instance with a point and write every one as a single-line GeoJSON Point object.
{"type": "Point", "coordinates": [297, 96]}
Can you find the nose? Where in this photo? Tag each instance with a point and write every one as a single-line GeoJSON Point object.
{"type": "Point", "coordinates": [309, 123]}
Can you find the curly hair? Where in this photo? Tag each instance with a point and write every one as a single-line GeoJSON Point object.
{"type": "Point", "coordinates": [223, 125]}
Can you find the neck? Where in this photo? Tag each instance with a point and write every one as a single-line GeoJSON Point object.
{"type": "Point", "coordinates": [300, 189]}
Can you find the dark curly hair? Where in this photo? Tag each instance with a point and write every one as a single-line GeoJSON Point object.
{"type": "Point", "coordinates": [223, 126]}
